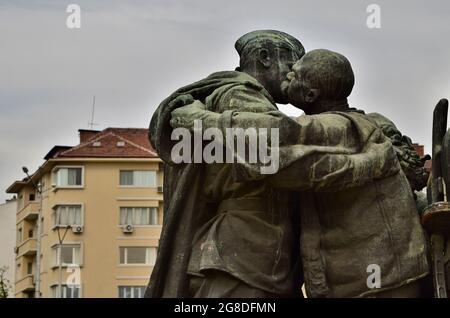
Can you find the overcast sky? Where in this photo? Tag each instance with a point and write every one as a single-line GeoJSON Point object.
{"type": "Point", "coordinates": [132, 54]}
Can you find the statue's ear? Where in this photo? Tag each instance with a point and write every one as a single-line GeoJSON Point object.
{"type": "Point", "coordinates": [312, 95]}
{"type": "Point", "coordinates": [264, 57]}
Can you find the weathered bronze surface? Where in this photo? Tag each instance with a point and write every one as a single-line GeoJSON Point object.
{"type": "Point", "coordinates": [436, 218]}
{"type": "Point", "coordinates": [216, 228]}
{"type": "Point", "coordinates": [340, 202]}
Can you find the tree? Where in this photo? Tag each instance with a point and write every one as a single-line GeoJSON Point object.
{"type": "Point", "coordinates": [5, 285]}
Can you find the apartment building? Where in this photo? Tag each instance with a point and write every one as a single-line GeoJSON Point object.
{"type": "Point", "coordinates": [89, 219]}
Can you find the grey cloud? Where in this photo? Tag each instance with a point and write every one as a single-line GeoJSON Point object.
{"type": "Point", "coordinates": [132, 54]}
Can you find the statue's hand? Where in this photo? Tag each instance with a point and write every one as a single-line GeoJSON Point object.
{"type": "Point", "coordinates": [183, 117]}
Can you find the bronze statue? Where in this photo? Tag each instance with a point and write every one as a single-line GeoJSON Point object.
{"type": "Point", "coordinates": [356, 208]}
{"type": "Point", "coordinates": [223, 238]}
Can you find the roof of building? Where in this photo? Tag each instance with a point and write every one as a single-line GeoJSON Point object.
{"type": "Point", "coordinates": [55, 150]}
{"type": "Point", "coordinates": [419, 149]}
{"type": "Point", "coordinates": [127, 143]}
{"type": "Point", "coordinates": [109, 143]}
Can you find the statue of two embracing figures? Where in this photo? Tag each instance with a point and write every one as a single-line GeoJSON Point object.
{"type": "Point", "coordinates": [258, 204]}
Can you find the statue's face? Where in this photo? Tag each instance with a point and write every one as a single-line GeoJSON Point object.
{"type": "Point", "coordinates": [297, 86]}
{"type": "Point", "coordinates": [281, 63]}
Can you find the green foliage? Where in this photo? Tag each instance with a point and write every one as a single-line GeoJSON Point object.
{"type": "Point", "coordinates": [5, 285]}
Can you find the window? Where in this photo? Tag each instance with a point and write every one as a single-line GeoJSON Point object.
{"type": "Point", "coordinates": [68, 177]}
{"type": "Point", "coordinates": [18, 271]}
{"type": "Point", "coordinates": [32, 197]}
{"type": "Point", "coordinates": [65, 215]}
{"type": "Point", "coordinates": [71, 291]}
{"type": "Point", "coordinates": [138, 255]}
{"type": "Point", "coordinates": [29, 268]}
{"type": "Point", "coordinates": [68, 254]}
{"type": "Point", "coordinates": [30, 233]}
{"type": "Point", "coordinates": [20, 201]}
{"type": "Point", "coordinates": [137, 178]}
{"type": "Point", "coordinates": [139, 216]}
{"type": "Point", "coordinates": [19, 236]}
{"type": "Point", "coordinates": [131, 291]}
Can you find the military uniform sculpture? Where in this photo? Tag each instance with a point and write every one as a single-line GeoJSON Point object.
{"type": "Point", "coordinates": [342, 200]}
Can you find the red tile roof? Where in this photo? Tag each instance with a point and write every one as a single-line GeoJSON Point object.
{"type": "Point", "coordinates": [419, 149]}
{"type": "Point", "coordinates": [135, 145]}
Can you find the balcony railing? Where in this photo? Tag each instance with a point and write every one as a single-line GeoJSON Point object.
{"type": "Point", "coordinates": [29, 213]}
{"type": "Point", "coordinates": [25, 284]}
{"type": "Point", "coordinates": [27, 248]}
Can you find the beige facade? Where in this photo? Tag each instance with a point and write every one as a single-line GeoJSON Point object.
{"type": "Point", "coordinates": [8, 239]}
{"type": "Point", "coordinates": [114, 209]}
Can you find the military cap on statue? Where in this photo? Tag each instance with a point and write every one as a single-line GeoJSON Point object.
{"type": "Point", "coordinates": [259, 38]}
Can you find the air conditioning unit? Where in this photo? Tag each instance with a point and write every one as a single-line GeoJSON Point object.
{"type": "Point", "coordinates": [77, 229]}
{"type": "Point", "coordinates": [128, 228]}
{"type": "Point", "coordinates": [160, 189]}
{"type": "Point", "coordinates": [16, 250]}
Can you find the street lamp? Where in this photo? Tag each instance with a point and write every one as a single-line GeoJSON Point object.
{"type": "Point", "coordinates": [38, 189]}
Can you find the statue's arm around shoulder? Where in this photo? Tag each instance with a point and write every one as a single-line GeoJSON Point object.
{"type": "Point", "coordinates": [240, 97]}
{"type": "Point", "coordinates": [330, 153]}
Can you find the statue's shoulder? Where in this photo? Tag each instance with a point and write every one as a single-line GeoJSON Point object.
{"type": "Point", "coordinates": [238, 89]}
{"type": "Point", "coordinates": [381, 120]}
{"type": "Point", "coordinates": [235, 78]}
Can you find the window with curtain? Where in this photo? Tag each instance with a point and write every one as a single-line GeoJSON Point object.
{"type": "Point", "coordinates": [138, 178]}
{"type": "Point", "coordinates": [131, 291]}
{"type": "Point", "coordinates": [68, 215]}
{"type": "Point", "coordinates": [71, 291]}
{"type": "Point", "coordinates": [67, 254]}
{"type": "Point", "coordinates": [139, 215]}
{"type": "Point", "coordinates": [66, 177]}
{"type": "Point", "coordinates": [137, 255]}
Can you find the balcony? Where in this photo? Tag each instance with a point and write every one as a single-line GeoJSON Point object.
{"type": "Point", "coordinates": [25, 284]}
{"type": "Point", "coordinates": [27, 248]}
{"type": "Point", "coordinates": [29, 213]}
